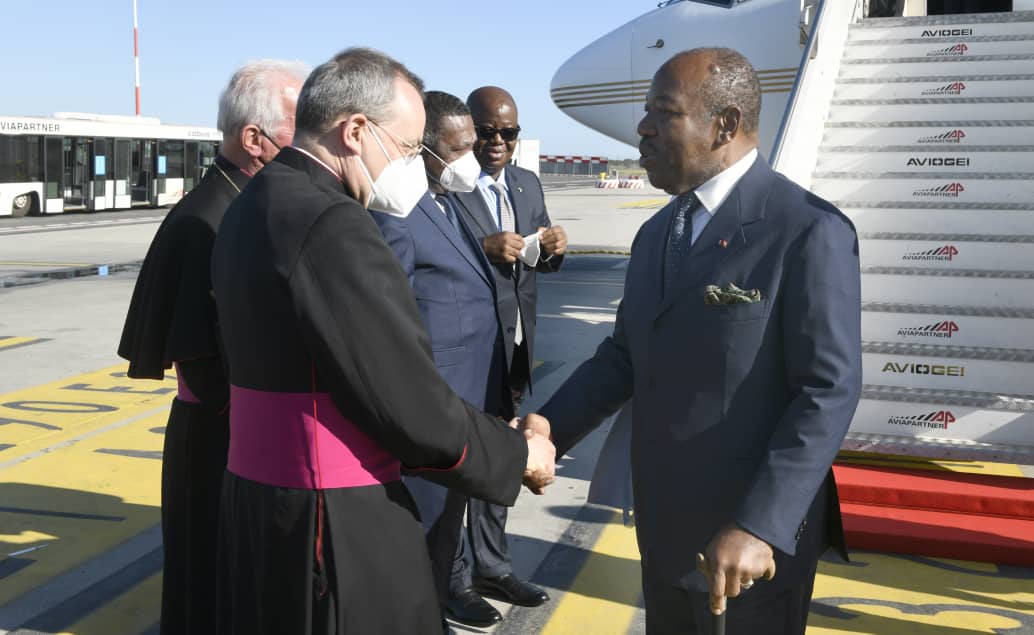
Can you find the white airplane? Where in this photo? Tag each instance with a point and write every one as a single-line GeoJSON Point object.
{"type": "Point", "coordinates": [604, 85]}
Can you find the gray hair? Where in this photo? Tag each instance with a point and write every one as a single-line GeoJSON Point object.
{"type": "Point", "coordinates": [731, 81]}
{"type": "Point", "coordinates": [254, 96]}
{"type": "Point", "coordinates": [356, 80]}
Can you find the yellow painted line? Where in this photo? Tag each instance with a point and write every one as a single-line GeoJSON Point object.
{"type": "Point", "coordinates": [648, 203]}
{"type": "Point", "coordinates": [37, 419]}
{"type": "Point", "coordinates": [16, 263]}
{"type": "Point", "coordinates": [11, 342]}
{"type": "Point", "coordinates": [84, 502]}
{"type": "Point", "coordinates": [919, 463]}
{"type": "Point", "coordinates": [605, 594]}
{"type": "Point", "coordinates": [134, 611]}
{"type": "Point", "coordinates": [958, 598]}
{"type": "Point", "coordinates": [81, 470]}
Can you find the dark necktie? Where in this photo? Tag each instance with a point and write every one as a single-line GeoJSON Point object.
{"type": "Point", "coordinates": [680, 238]}
{"type": "Point", "coordinates": [450, 211]}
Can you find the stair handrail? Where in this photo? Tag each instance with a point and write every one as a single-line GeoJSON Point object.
{"type": "Point", "coordinates": [814, 84]}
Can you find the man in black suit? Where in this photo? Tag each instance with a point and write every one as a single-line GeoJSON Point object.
{"type": "Point", "coordinates": [507, 213]}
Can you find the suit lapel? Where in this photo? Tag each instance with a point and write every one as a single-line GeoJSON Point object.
{"type": "Point", "coordinates": [429, 208]}
{"type": "Point", "coordinates": [479, 217]}
{"type": "Point", "coordinates": [723, 236]}
{"type": "Point", "coordinates": [521, 204]}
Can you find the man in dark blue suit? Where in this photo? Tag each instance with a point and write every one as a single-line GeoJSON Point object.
{"type": "Point", "coordinates": [507, 214]}
{"type": "Point", "coordinates": [454, 290]}
{"type": "Point", "coordinates": [738, 342]}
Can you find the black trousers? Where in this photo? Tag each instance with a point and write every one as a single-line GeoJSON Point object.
{"type": "Point", "coordinates": [441, 513]}
{"type": "Point", "coordinates": [674, 611]}
{"type": "Point", "coordinates": [196, 443]}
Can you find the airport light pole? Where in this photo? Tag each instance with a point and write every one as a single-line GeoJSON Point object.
{"type": "Point", "coordinates": [136, 58]}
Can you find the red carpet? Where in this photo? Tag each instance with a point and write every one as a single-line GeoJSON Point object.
{"type": "Point", "coordinates": [938, 513]}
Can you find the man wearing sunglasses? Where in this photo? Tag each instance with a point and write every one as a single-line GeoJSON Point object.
{"type": "Point", "coordinates": [507, 206]}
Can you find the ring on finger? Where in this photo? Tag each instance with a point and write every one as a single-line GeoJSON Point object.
{"type": "Point", "coordinates": [746, 585]}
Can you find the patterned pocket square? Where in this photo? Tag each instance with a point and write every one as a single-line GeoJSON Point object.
{"type": "Point", "coordinates": [730, 294]}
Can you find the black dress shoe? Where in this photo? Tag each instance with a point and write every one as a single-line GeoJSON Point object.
{"type": "Point", "coordinates": [467, 607]}
{"type": "Point", "coordinates": [510, 588]}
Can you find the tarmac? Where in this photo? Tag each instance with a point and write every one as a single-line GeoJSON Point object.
{"type": "Point", "coordinates": [80, 449]}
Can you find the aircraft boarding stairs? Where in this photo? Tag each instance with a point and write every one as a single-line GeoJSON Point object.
{"type": "Point", "coordinates": [928, 145]}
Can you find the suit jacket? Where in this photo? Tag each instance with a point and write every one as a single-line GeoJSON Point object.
{"type": "Point", "coordinates": [739, 410]}
{"type": "Point", "coordinates": [455, 294]}
{"type": "Point", "coordinates": [312, 300]}
{"type": "Point", "coordinates": [515, 286]}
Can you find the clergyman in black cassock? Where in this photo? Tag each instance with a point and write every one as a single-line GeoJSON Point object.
{"type": "Point", "coordinates": [172, 322]}
{"type": "Point", "coordinates": [333, 384]}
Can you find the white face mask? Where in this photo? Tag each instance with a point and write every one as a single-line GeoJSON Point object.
{"type": "Point", "coordinates": [399, 187]}
{"type": "Point", "coordinates": [461, 175]}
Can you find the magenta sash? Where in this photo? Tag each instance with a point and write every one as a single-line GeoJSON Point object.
{"type": "Point", "coordinates": [183, 392]}
{"type": "Point", "coordinates": [275, 439]}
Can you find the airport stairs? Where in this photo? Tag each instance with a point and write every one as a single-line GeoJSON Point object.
{"type": "Point", "coordinates": [929, 147]}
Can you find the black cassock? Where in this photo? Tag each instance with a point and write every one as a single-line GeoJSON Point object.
{"type": "Point", "coordinates": [172, 321]}
{"type": "Point", "coordinates": [333, 391]}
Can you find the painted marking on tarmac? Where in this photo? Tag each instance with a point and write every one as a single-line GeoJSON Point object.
{"type": "Point", "coordinates": [45, 227]}
{"type": "Point", "coordinates": [73, 477]}
{"type": "Point", "coordinates": [604, 597]}
{"type": "Point", "coordinates": [37, 263]}
{"type": "Point", "coordinates": [7, 342]}
{"type": "Point", "coordinates": [649, 203]}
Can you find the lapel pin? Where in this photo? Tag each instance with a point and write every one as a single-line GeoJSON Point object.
{"type": "Point", "coordinates": [723, 243]}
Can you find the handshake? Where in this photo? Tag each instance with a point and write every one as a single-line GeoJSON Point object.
{"type": "Point", "coordinates": [541, 469]}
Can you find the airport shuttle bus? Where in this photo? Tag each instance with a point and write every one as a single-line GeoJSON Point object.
{"type": "Point", "coordinates": [84, 162]}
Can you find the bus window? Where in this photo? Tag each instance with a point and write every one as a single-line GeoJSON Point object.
{"type": "Point", "coordinates": [143, 171]}
{"type": "Point", "coordinates": [54, 167]}
{"type": "Point", "coordinates": [191, 166]}
{"type": "Point", "coordinates": [100, 170]}
{"type": "Point", "coordinates": [20, 159]}
{"type": "Point", "coordinates": [76, 171]}
{"type": "Point", "coordinates": [207, 157]}
{"type": "Point", "coordinates": [123, 159]}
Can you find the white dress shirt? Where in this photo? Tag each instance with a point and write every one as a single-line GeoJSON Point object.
{"type": "Point", "coordinates": [717, 190]}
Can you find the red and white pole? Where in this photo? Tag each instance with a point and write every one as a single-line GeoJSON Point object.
{"type": "Point", "coordinates": [136, 58]}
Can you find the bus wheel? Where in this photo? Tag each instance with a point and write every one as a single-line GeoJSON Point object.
{"type": "Point", "coordinates": [25, 205]}
{"type": "Point", "coordinates": [21, 205]}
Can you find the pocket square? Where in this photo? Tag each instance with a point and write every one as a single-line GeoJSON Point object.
{"type": "Point", "coordinates": [730, 294]}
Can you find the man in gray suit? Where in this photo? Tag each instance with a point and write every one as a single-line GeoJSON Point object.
{"type": "Point", "coordinates": [738, 341]}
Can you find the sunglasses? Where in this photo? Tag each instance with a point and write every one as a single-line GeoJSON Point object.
{"type": "Point", "coordinates": [487, 133]}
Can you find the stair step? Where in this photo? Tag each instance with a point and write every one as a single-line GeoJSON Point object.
{"type": "Point", "coordinates": [939, 534]}
{"type": "Point", "coordinates": [942, 398]}
{"type": "Point", "coordinates": [849, 189]}
{"type": "Point", "coordinates": [947, 326]}
{"type": "Point", "coordinates": [898, 286]}
{"type": "Point", "coordinates": [925, 160]}
{"type": "Point", "coordinates": [951, 350]}
{"type": "Point", "coordinates": [946, 491]}
{"type": "Point", "coordinates": [939, 47]}
{"type": "Point", "coordinates": [925, 67]}
{"type": "Point", "coordinates": [950, 221]}
{"type": "Point", "coordinates": [1017, 86]}
{"type": "Point", "coordinates": [928, 27]}
{"type": "Point", "coordinates": [928, 371]}
{"type": "Point", "coordinates": [925, 109]}
{"type": "Point", "coordinates": [947, 254]}
{"type": "Point", "coordinates": [949, 134]}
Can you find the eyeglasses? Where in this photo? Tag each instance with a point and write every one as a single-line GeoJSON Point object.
{"type": "Point", "coordinates": [487, 133]}
{"type": "Point", "coordinates": [409, 151]}
{"type": "Point", "coordinates": [266, 135]}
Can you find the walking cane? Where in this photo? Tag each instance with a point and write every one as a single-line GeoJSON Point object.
{"type": "Point", "coordinates": [717, 621]}
{"type": "Point", "coordinates": [718, 624]}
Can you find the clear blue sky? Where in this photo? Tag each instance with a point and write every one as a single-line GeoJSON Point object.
{"type": "Point", "coordinates": [77, 55]}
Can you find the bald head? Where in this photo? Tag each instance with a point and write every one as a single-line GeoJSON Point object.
{"type": "Point", "coordinates": [725, 79]}
{"type": "Point", "coordinates": [495, 119]}
{"type": "Point", "coordinates": [489, 99]}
